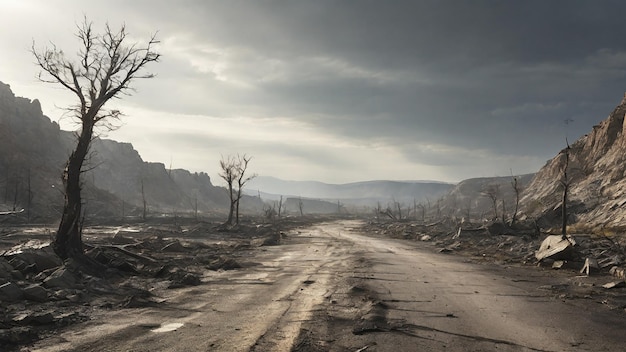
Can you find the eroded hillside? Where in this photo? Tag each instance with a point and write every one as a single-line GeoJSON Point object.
{"type": "Point", "coordinates": [596, 176]}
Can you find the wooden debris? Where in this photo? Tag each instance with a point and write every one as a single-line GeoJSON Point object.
{"type": "Point", "coordinates": [462, 232]}
{"type": "Point", "coordinates": [591, 264]}
{"type": "Point", "coordinates": [614, 284]}
{"type": "Point", "coordinates": [12, 212]}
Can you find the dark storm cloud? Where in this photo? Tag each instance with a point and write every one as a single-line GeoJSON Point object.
{"type": "Point", "coordinates": [477, 60]}
{"type": "Point", "coordinates": [452, 84]}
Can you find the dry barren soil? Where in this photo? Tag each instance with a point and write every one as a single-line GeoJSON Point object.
{"type": "Point", "coordinates": [334, 287]}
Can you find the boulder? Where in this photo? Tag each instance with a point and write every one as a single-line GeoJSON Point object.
{"type": "Point", "coordinates": [10, 292]}
{"type": "Point", "coordinates": [34, 318]}
{"type": "Point", "coordinates": [42, 259]}
{"type": "Point", "coordinates": [35, 292]}
{"type": "Point", "coordinates": [556, 247]}
{"type": "Point", "coordinates": [5, 269]}
{"type": "Point", "coordinates": [61, 278]}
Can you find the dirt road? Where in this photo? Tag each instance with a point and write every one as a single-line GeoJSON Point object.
{"type": "Point", "coordinates": [330, 288]}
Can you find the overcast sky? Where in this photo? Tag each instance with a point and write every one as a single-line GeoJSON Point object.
{"type": "Point", "coordinates": [343, 91]}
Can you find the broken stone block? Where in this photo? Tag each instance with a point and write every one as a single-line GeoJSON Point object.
{"type": "Point", "coordinates": [556, 247]}
{"type": "Point", "coordinates": [558, 264]}
{"type": "Point", "coordinates": [10, 292]}
{"type": "Point", "coordinates": [35, 292]}
{"type": "Point", "coordinates": [591, 265]}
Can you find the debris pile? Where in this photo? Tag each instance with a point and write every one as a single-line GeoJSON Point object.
{"type": "Point", "coordinates": [39, 293]}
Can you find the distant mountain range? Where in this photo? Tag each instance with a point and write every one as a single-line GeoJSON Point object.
{"type": "Point", "coordinates": [367, 193]}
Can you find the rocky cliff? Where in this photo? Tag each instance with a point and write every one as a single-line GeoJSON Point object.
{"type": "Point", "coordinates": [596, 175]}
{"type": "Point", "coordinates": [33, 152]}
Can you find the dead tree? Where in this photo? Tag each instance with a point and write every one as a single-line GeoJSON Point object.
{"type": "Point", "coordinates": [399, 207]}
{"type": "Point", "coordinates": [107, 65]}
{"type": "Point", "coordinates": [144, 214]}
{"type": "Point", "coordinates": [229, 173]}
{"type": "Point", "coordinates": [301, 206]}
{"type": "Point", "coordinates": [492, 192]}
{"type": "Point", "coordinates": [242, 166]}
{"type": "Point", "coordinates": [439, 209]}
{"type": "Point", "coordinates": [517, 188]}
{"type": "Point", "coordinates": [280, 206]}
{"type": "Point", "coordinates": [30, 196]}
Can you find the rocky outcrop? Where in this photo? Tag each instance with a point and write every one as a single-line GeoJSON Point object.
{"type": "Point", "coordinates": [34, 150]}
{"type": "Point", "coordinates": [596, 174]}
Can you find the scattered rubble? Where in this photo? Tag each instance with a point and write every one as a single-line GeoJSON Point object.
{"type": "Point", "coordinates": [39, 293]}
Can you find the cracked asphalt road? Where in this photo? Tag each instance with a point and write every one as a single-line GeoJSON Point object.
{"type": "Point", "coordinates": [331, 288]}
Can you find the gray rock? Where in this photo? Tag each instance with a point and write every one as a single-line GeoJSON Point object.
{"type": "Point", "coordinates": [17, 275]}
{"type": "Point", "coordinates": [10, 292]}
{"type": "Point", "coordinates": [5, 268]}
{"type": "Point", "coordinates": [16, 335]}
{"type": "Point", "coordinates": [556, 247]}
{"type": "Point", "coordinates": [36, 292]}
{"type": "Point", "coordinates": [42, 259]}
{"type": "Point", "coordinates": [34, 318]}
{"type": "Point", "coordinates": [61, 278]}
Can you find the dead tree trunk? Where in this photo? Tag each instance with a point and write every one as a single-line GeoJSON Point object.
{"type": "Point", "coordinates": [231, 210]}
{"type": "Point", "coordinates": [565, 183]}
{"type": "Point", "coordinates": [516, 189]}
{"type": "Point", "coordinates": [144, 214]}
{"type": "Point", "coordinates": [68, 242]}
{"type": "Point", "coordinates": [105, 68]}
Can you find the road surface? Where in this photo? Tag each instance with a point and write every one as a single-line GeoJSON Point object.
{"type": "Point", "coordinates": [331, 288]}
